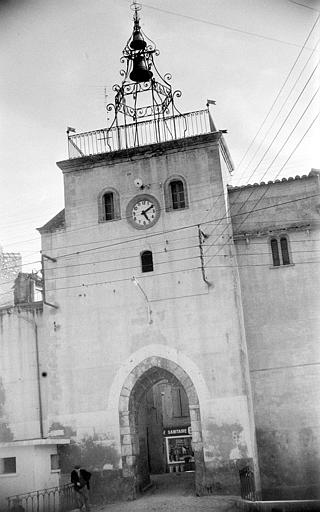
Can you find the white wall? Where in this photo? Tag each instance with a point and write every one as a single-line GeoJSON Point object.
{"type": "Point", "coordinates": [33, 470]}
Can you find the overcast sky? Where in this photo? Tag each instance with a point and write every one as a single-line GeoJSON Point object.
{"type": "Point", "coordinates": [58, 56]}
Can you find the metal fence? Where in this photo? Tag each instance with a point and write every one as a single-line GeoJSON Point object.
{"type": "Point", "coordinates": [54, 499]}
{"type": "Point", "coordinates": [247, 485]}
{"type": "Point", "coordinates": [138, 134]}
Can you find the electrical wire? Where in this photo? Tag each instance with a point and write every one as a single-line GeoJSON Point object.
{"type": "Point", "coordinates": [138, 266]}
{"type": "Point", "coordinates": [291, 109]}
{"type": "Point", "coordinates": [261, 197]}
{"type": "Point", "coordinates": [285, 142]}
{"type": "Point", "coordinates": [143, 276]}
{"type": "Point", "coordinates": [279, 112]}
{"type": "Point", "coordinates": [193, 225]}
{"type": "Point", "coordinates": [285, 120]}
{"type": "Point", "coordinates": [268, 168]}
{"type": "Point", "coordinates": [114, 281]}
{"type": "Point", "coordinates": [90, 225]}
{"type": "Point", "coordinates": [163, 251]}
{"type": "Point", "coordinates": [160, 233]}
{"type": "Point", "coordinates": [281, 89]}
{"type": "Point", "coordinates": [303, 5]}
{"type": "Point", "coordinates": [223, 26]}
{"type": "Point", "coordinates": [226, 27]}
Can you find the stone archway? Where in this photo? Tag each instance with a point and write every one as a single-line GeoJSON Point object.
{"type": "Point", "coordinates": [147, 373]}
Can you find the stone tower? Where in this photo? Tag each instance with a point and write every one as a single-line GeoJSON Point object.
{"type": "Point", "coordinates": [136, 302]}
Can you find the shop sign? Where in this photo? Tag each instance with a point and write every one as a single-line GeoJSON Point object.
{"type": "Point", "coordinates": [177, 431]}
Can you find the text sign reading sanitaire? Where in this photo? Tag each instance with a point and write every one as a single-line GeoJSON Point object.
{"type": "Point", "coordinates": [177, 431]}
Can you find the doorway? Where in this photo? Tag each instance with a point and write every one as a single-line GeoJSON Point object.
{"type": "Point", "coordinates": [160, 424]}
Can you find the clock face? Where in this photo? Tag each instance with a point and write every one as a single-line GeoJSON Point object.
{"type": "Point", "coordinates": [143, 211]}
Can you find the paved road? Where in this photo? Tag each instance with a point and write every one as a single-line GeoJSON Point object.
{"type": "Point", "coordinates": [174, 493]}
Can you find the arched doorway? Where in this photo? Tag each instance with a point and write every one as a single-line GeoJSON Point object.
{"type": "Point", "coordinates": [134, 444]}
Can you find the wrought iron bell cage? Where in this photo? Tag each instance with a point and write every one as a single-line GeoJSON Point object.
{"type": "Point", "coordinates": [144, 94]}
{"type": "Point", "coordinates": [144, 110]}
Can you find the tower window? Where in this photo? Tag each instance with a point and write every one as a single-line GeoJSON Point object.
{"type": "Point", "coordinates": [175, 192]}
{"type": "Point", "coordinates": [109, 205]}
{"type": "Point", "coordinates": [146, 261]}
{"type": "Point", "coordinates": [177, 195]}
{"type": "Point", "coordinates": [280, 251]}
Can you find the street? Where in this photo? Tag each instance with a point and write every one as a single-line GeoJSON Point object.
{"type": "Point", "coordinates": [174, 492]}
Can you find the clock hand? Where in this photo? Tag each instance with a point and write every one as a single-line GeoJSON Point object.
{"type": "Point", "coordinates": [145, 211]}
{"type": "Point", "coordinates": [144, 214]}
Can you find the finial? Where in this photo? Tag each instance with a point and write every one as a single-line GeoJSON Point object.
{"type": "Point", "coordinates": [136, 8]}
{"type": "Point", "coordinates": [137, 42]}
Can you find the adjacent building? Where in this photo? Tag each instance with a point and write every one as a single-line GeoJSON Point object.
{"type": "Point", "coordinates": [10, 266]}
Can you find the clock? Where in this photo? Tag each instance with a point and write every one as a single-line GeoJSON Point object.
{"type": "Point", "coordinates": [143, 211]}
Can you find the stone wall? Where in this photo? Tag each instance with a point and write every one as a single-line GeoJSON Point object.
{"type": "Point", "coordinates": [106, 328]}
{"type": "Point", "coordinates": [281, 312]}
{"type": "Point", "coordinates": [10, 266]}
{"type": "Point", "coordinates": [20, 329]}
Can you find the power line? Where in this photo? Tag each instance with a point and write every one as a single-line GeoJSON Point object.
{"type": "Point", "coordinates": [212, 23]}
{"type": "Point", "coordinates": [226, 27]}
{"type": "Point", "coordinates": [285, 142]}
{"type": "Point", "coordinates": [94, 206]}
{"type": "Point", "coordinates": [85, 205]}
{"type": "Point", "coordinates": [268, 168]}
{"type": "Point", "coordinates": [285, 120]}
{"type": "Point", "coordinates": [303, 5]}
{"type": "Point", "coordinates": [164, 251]}
{"type": "Point", "coordinates": [281, 89]}
{"type": "Point", "coordinates": [201, 199]}
{"type": "Point", "coordinates": [87, 285]}
{"type": "Point", "coordinates": [279, 112]}
{"type": "Point", "coordinates": [88, 226]}
{"type": "Point", "coordinates": [161, 233]}
{"type": "Point", "coordinates": [105, 271]}
{"type": "Point", "coordinates": [144, 276]}
{"type": "Point", "coordinates": [267, 188]}
{"type": "Point", "coordinates": [183, 259]}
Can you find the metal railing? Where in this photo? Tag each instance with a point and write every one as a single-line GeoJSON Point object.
{"type": "Point", "coordinates": [138, 134]}
{"type": "Point", "coordinates": [247, 485]}
{"type": "Point", "coordinates": [53, 499]}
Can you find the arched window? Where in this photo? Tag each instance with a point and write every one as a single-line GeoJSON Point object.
{"type": "Point", "coordinates": [146, 261]}
{"type": "Point", "coordinates": [177, 194]}
{"type": "Point", "coordinates": [275, 252]}
{"type": "Point", "coordinates": [175, 191]}
{"type": "Point", "coordinates": [280, 251]}
{"type": "Point", "coordinates": [109, 205]}
{"type": "Point", "coordinates": [284, 250]}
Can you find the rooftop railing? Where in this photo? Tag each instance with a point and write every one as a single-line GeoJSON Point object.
{"type": "Point", "coordinates": [139, 134]}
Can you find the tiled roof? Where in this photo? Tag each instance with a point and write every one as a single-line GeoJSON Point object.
{"type": "Point", "coordinates": [313, 172]}
{"type": "Point", "coordinates": [57, 222]}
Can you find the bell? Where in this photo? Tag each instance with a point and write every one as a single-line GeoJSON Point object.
{"type": "Point", "coordinates": [140, 72]}
{"type": "Point", "coordinates": [137, 43]}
